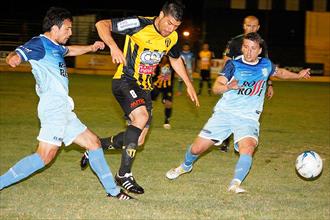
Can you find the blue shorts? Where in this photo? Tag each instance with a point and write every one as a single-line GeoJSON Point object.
{"type": "Point", "coordinates": [58, 122]}
{"type": "Point", "coordinates": [222, 124]}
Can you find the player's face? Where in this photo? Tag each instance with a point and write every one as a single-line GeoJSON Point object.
{"type": "Point", "coordinates": [250, 50]}
{"type": "Point", "coordinates": [250, 25]}
{"type": "Point", "coordinates": [186, 48]}
{"type": "Point", "coordinates": [205, 47]}
{"type": "Point", "coordinates": [64, 33]}
{"type": "Point", "coordinates": [167, 24]}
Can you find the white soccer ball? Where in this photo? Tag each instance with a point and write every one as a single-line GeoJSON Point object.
{"type": "Point", "coordinates": [309, 164]}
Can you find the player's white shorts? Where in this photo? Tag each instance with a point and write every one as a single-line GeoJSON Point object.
{"type": "Point", "coordinates": [58, 122]}
{"type": "Point", "coordinates": [222, 124]}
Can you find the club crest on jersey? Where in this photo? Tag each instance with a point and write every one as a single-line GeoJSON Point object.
{"type": "Point", "coordinates": [167, 42]}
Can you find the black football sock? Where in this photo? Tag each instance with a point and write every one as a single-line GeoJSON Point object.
{"type": "Point", "coordinates": [113, 141]}
{"type": "Point", "coordinates": [168, 113]}
{"type": "Point", "coordinates": [130, 143]}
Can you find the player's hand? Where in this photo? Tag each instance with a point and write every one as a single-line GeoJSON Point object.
{"type": "Point", "coordinates": [192, 94]}
{"type": "Point", "coordinates": [13, 60]}
{"type": "Point", "coordinates": [233, 85]}
{"type": "Point", "coordinates": [117, 56]}
{"type": "Point", "coordinates": [98, 45]}
{"type": "Point", "coordinates": [304, 74]}
{"type": "Point", "coordinates": [270, 92]}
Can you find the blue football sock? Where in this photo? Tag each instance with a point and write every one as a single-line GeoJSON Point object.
{"type": "Point", "coordinates": [102, 170]}
{"type": "Point", "coordinates": [189, 159]}
{"type": "Point", "coordinates": [243, 166]}
{"type": "Point", "coordinates": [21, 170]}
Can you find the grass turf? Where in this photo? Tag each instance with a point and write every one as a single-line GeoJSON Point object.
{"type": "Point", "coordinates": [296, 119]}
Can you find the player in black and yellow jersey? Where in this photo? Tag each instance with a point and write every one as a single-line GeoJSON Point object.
{"type": "Point", "coordinates": [148, 39]}
{"type": "Point", "coordinates": [163, 83]}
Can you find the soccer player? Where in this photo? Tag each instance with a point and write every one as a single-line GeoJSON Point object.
{"type": "Point", "coordinates": [163, 83]}
{"type": "Point", "coordinates": [59, 124]}
{"type": "Point", "coordinates": [148, 39]}
{"type": "Point", "coordinates": [242, 83]}
{"type": "Point", "coordinates": [205, 57]}
{"type": "Point", "coordinates": [233, 50]}
{"type": "Point", "coordinates": [189, 60]}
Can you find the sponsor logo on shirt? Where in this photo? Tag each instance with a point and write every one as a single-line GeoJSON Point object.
{"type": "Point", "coordinates": [253, 88]}
{"type": "Point", "coordinates": [128, 23]}
{"type": "Point", "coordinates": [63, 71]}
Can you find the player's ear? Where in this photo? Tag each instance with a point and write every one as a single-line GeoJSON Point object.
{"type": "Point", "coordinates": [260, 50]}
{"type": "Point", "coordinates": [54, 28]}
{"type": "Point", "coordinates": [161, 14]}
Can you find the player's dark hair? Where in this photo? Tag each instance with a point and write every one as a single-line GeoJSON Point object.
{"type": "Point", "coordinates": [255, 37]}
{"type": "Point", "coordinates": [55, 16]}
{"type": "Point", "coordinates": [174, 8]}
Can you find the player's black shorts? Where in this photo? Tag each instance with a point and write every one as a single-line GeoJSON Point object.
{"type": "Point", "coordinates": [205, 75]}
{"type": "Point", "coordinates": [166, 92]}
{"type": "Point", "coordinates": [130, 96]}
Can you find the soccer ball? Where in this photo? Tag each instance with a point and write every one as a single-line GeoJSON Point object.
{"type": "Point", "coordinates": [309, 164]}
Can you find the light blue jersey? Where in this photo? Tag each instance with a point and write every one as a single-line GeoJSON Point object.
{"type": "Point", "coordinates": [248, 101]}
{"type": "Point", "coordinates": [188, 57]}
{"type": "Point", "coordinates": [48, 66]}
{"type": "Point", "coordinates": [58, 122]}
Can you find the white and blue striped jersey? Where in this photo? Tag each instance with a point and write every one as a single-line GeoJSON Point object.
{"type": "Point", "coordinates": [48, 66]}
{"type": "Point", "coordinates": [248, 101]}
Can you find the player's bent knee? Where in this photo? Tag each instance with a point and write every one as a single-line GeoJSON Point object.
{"type": "Point", "coordinates": [47, 155]}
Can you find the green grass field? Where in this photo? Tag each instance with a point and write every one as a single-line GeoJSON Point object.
{"type": "Point", "coordinates": [296, 119]}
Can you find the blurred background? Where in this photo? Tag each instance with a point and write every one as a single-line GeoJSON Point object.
{"type": "Point", "coordinates": [297, 31]}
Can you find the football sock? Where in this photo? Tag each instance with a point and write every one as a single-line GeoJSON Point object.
{"type": "Point", "coordinates": [22, 169]}
{"type": "Point", "coordinates": [189, 159]}
{"type": "Point", "coordinates": [243, 166]}
{"type": "Point", "coordinates": [168, 113]}
{"type": "Point", "coordinates": [102, 170]}
{"type": "Point", "coordinates": [130, 144]}
{"type": "Point", "coordinates": [200, 86]}
{"type": "Point", "coordinates": [117, 141]}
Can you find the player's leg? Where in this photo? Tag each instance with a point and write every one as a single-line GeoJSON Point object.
{"type": "Point", "coordinates": [201, 80]}
{"type": "Point", "coordinates": [180, 86]}
{"type": "Point", "coordinates": [246, 135]}
{"type": "Point", "coordinates": [45, 153]}
{"type": "Point", "coordinates": [243, 165]}
{"type": "Point", "coordinates": [168, 97]}
{"type": "Point", "coordinates": [88, 140]}
{"type": "Point", "coordinates": [208, 80]}
{"type": "Point", "coordinates": [137, 105]}
{"type": "Point", "coordinates": [199, 146]}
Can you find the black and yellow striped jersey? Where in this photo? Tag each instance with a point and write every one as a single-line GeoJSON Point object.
{"type": "Point", "coordinates": [164, 76]}
{"type": "Point", "coordinates": [144, 47]}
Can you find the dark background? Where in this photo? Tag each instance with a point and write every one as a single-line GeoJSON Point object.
{"type": "Point", "coordinates": [207, 20]}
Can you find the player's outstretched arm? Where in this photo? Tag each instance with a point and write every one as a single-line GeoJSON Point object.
{"type": "Point", "coordinates": [286, 74]}
{"type": "Point", "coordinates": [221, 85]}
{"type": "Point", "coordinates": [179, 68]}
{"type": "Point", "coordinates": [13, 59]}
{"type": "Point", "coordinates": [104, 28]}
{"type": "Point", "coordinates": [76, 50]}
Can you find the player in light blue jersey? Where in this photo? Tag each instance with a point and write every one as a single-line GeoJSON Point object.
{"type": "Point", "coordinates": [59, 124]}
{"type": "Point", "coordinates": [243, 85]}
{"type": "Point", "coordinates": [189, 61]}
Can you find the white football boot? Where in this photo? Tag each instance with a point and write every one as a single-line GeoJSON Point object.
{"type": "Point", "coordinates": [176, 172]}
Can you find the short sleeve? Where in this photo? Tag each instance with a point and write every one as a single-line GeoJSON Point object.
{"type": "Point", "coordinates": [31, 50]}
{"type": "Point", "coordinates": [228, 70]}
{"type": "Point", "coordinates": [175, 51]}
